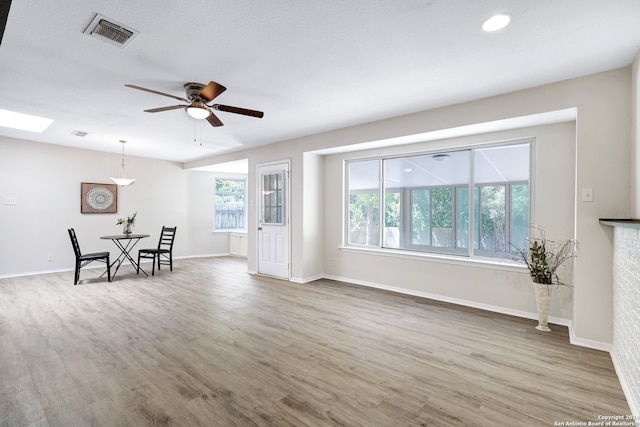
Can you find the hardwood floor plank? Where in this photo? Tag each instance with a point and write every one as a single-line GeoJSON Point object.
{"type": "Point", "coordinates": [208, 344]}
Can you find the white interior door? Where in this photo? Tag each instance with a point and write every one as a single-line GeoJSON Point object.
{"type": "Point", "coordinates": [273, 221]}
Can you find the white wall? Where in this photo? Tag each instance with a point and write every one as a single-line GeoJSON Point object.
{"type": "Point", "coordinates": [45, 179]}
{"type": "Point", "coordinates": [501, 288]}
{"type": "Point", "coordinates": [202, 240]}
{"type": "Point", "coordinates": [312, 221]}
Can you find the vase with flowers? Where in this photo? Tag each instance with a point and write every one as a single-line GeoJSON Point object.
{"type": "Point", "coordinates": [127, 223]}
{"type": "Point", "coordinates": [543, 257]}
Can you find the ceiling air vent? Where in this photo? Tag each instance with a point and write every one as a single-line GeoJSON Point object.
{"type": "Point", "coordinates": [79, 133]}
{"type": "Point", "coordinates": [110, 31]}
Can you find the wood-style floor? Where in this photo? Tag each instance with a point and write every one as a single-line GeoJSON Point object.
{"type": "Point", "coordinates": [209, 345]}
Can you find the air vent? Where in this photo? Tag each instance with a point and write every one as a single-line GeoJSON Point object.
{"type": "Point", "coordinates": [79, 133]}
{"type": "Point", "coordinates": [110, 31]}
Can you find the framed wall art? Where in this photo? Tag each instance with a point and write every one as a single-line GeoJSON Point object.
{"type": "Point", "coordinates": [98, 198]}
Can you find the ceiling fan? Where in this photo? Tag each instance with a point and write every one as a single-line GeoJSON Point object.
{"type": "Point", "coordinates": [197, 97]}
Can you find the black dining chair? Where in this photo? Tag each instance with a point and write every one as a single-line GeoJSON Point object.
{"type": "Point", "coordinates": [163, 253]}
{"type": "Point", "coordinates": [84, 259]}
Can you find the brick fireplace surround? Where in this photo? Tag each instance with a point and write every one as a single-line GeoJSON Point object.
{"type": "Point", "coordinates": [626, 307]}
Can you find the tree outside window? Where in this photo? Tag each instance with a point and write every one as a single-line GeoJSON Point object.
{"type": "Point", "coordinates": [426, 201]}
{"type": "Point", "coordinates": [230, 206]}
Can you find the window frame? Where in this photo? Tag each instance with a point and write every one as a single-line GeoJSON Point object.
{"type": "Point", "coordinates": [405, 205]}
{"type": "Point", "coordinates": [242, 178]}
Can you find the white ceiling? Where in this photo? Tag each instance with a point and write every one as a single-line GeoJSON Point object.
{"type": "Point", "coordinates": [310, 66]}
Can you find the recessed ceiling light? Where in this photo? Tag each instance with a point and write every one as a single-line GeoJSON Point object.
{"type": "Point", "coordinates": [496, 22]}
{"type": "Point", "coordinates": [10, 119]}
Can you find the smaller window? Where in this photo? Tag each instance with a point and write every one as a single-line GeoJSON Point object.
{"type": "Point", "coordinates": [230, 206]}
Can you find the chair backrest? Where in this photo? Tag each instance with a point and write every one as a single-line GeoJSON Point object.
{"type": "Point", "coordinates": [166, 238]}
{"type": "Point", "coordinates": [74, 242]}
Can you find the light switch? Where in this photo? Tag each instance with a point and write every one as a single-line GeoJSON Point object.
{"type": "Point", "coordinates": [11, 201]}
{"type": "Point", "coordinates": [587, 194]}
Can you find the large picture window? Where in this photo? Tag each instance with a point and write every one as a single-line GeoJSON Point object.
{"type": "Point", "coordinates": [424, 202]}
{"type": "Point", "coordinates": [230, 207]}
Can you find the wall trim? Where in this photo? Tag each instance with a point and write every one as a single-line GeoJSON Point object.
{"type": "Point", "coordinates": [583, 342]}
{"type": "Point", "coordinates": [634, 405]}
{"type": "Point", "coordinates": [596, 345]}
{"type": "Point", "coordinates": [36, 273]}
{"type": "Point", "coordinates": [457, 301]}
{"type": "Point", "coordinates": [96, 266]}
{"type": "Point", "coordinates": [307, 279]}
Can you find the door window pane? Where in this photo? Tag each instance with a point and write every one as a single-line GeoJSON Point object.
{"type": "Point", "coordinates": [272, 198]}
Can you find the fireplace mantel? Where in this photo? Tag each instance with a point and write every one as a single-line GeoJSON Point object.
{"type": "Point", "coordinates": [621, 222]}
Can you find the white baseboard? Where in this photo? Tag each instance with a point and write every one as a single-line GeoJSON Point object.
{"type": "Point", "coordinates": [596, 345]}
{"type": "Point", "coordinates": [203, 256]}
{"type": "Point", "coordinates": [634, 404]}
{"type": "Point", "coordinates": [307, 279]}
{"type": "Point", "coordinates": [35, 273]}
{"type": "Point", "coordinates": [583, 342]}
{"type": "Point", "coordinates": [91, 267]}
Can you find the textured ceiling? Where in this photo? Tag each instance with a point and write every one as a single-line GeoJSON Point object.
{"type": "Point", "coordinates": [310, 66]}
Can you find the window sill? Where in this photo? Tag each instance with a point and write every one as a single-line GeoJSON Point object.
{"type": "Point", "coordinates": [490, 263]}
{"type": "Point", "coordinates": [229, 231]}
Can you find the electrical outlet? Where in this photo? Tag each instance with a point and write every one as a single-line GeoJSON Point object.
{"type": "Point", "coordinates": [11, 201]}
{"type": "Point", "coordinates": [587, 194]}
{"type": "Point", "coordinates": [50, 257]}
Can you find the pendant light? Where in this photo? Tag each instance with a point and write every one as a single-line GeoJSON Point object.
{"type": "Point", "coordinates": [122, 177]}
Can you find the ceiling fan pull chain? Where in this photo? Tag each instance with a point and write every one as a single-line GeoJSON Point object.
{"type": "Point", "coordinates": [195, 140]}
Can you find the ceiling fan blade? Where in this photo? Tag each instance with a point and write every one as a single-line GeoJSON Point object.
{"type": "Point", "coordinates": [238, 110]}
{"type": "Point", "coordinates": [211, 91]}
{"type": "Point", "coordinates": [157, 93]}
{"type": "Point", "coordinates": [157, 110]}
{"type": "Point", "coordinates": [214, 120]}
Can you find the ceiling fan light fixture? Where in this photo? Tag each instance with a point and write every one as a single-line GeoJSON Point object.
{"type": "Point", "coordinates": [198, 110]}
